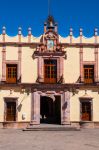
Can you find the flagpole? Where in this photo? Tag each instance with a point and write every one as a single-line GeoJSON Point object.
{"type": "Point", "coordinates": [49, 7]}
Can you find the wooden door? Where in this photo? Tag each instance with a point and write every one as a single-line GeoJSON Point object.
{"type": "Point", "coordinates": [50, 71]}
{"type": "Point", "coordinates": [86, 111]}
{"type": "Point", "coordinates": [10, 111]}
{"type": "Point", "coordinates": [11, 73]}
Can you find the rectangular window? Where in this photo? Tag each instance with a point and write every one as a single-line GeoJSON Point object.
{"type": "Point", "coordinates": [86, 111]}
{"type": "Point", "coordinates": [88, 73]}
{"type": "Point", "coordinates": [10, 111]}
{"type": "Point", "coordinates": [11, 73]}
{"type": "Point", "coordinates": [50, 71]}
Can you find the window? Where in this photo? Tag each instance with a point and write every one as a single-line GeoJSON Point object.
{"type": "Point", "coordinates": [11, 73]}
{"type": "Point", "coordinates": [88, 73]}
{"type": "Point", "coordinates": [10, 111]}
{"type": "Point", "coordinates": [86, 110]}
{"type": "Point", "coordinates": [50, 71]}
{"type": "Point", "coordinates": [50, 45]}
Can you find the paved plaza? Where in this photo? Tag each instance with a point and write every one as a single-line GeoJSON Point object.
{"type": "Point", "coordinates": [12, 139]}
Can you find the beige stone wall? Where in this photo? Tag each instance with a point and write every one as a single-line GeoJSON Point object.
{"type": "Point", "coordinates": [72, 65]}
{"type": "Point", "coordinates": [11, 53]}
{"type": "Point", "coordinates": [23, 99]}
{"type": "Point", "coordinates": [29, 73]}
{"type": "Point", "coordinates": [75, 105]}
{"type": "Point", "coordinates": [0, 63]}
{"type": "Point", "coordinates": [88, 54]}
{"type": "Point", "coordinates": [29, 66]}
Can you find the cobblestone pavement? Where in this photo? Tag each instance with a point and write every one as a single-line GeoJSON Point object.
{"type": "Point", "coordinates": [86, 139]}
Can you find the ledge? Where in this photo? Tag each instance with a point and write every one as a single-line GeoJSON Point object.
{"type": "Point", "coordinates": [38, 43]}
{"type": "Point", "coordinates": [56, 87]}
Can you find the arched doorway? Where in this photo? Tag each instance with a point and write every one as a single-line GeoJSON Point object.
{"type": "Point", "coordinates": [50, 110]}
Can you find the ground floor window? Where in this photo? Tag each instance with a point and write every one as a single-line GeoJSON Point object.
{"type": "Point", "coordinates": [10, 110]}
{"type": "Point", "coordinates": [86, 110]}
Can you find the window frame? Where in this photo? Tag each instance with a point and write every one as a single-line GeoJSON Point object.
{"type": "Point", "coordinates": [10, 99]}
{"type": "Point", "coordinates": [11, 73]}
{"type": "Point", "coordinates": [87, 99]}
{"type": "Point", "coordinates": [89, 74]}
{"type": "Point", "coordinates": [51, 70]}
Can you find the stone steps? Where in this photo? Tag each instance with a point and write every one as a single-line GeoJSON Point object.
{"type": "Point", "coordinates": [50, 128]}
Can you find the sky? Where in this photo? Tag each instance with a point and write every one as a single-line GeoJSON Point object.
{"type": "Point", "coordinates": [33, 13]}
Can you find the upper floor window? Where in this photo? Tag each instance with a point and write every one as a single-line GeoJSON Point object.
{"type": "Point", "coordinates": [50, 71]}
{"type": "Point", "coordinates": [11, 73]}
{"type": "Point", "coordinates": [50, 45]}
{"type": "Point", "coordinates": [88, 73]}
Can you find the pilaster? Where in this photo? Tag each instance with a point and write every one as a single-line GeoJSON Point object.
{"type": "Point", "coordinates": [66, 108]}
{"type": "Point", "coordinates": [81, 64]}
{"type": "Point", "coordinates": [19, 60]}
{"type": "Point", "coordinates": [96, 64]}
{"type": "Point", "coordinates": [40, 69]}
{"type": "Point", "coordinates": [35, 108]}
{"type": "Point", "coordinates": [3, 64]}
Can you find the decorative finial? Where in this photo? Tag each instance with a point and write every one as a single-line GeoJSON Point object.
{"type": "Point", "coordinates": [81, 31]}
{"type": "Point", "coordinates": [29, 31]}
{"type": "Point", "coordinates": [95, 31]}
{"type": "Point", "coordinates": [71, 31]}
{"type": "Point", "coordinates": [4, 30]}
{"type": "Point", "coordinates": [19, 30]}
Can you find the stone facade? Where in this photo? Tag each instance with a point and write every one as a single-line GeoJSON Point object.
{"type": "Point", "coordinates": [57, 78]}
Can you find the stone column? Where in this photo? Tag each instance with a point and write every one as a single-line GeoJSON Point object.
{"type": "Point", "coordinates": [61, 67]}
{"type": "Point", "coordinates": [40, 69]}
{"type": "Point", "coordinates": [96, 64]}
{"type": "Point", "coordinates": [58, 69]}
{"type": "Point", "coordinates": [19, 60]}
{"type": "Point", "coordinates": [35, 108]}
{"type": "Point", "coordinates": [66, 108]}
{"type": "Point", "coordinates": [3, 64]}
{"type": "Point", "coordinates": [81, 64]}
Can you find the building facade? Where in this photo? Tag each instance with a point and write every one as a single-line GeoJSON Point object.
{"type": "Point", "coordinates": [49, 79]}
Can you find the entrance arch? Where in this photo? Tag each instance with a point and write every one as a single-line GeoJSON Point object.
{"type": "Point", "coordinates": [50, 110]}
